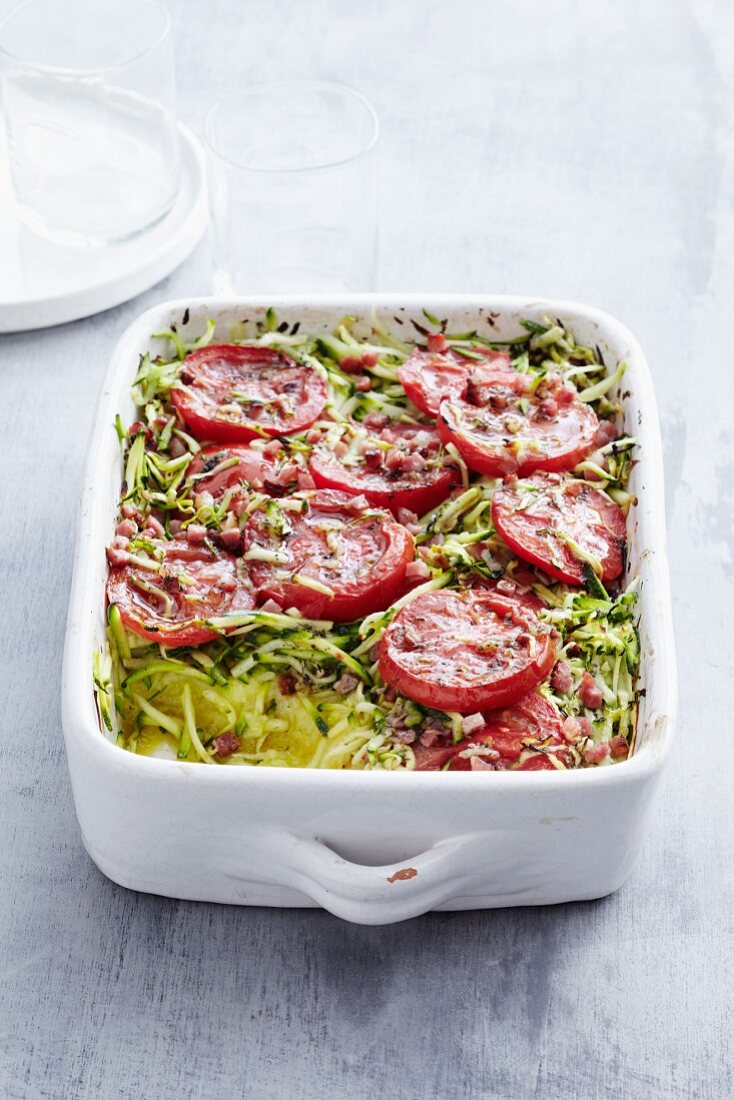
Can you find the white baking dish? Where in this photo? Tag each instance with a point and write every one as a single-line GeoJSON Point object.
{"type": "Point", "coordinates": [372, 847]}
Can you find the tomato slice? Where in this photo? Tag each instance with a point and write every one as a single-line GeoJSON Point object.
{"type": "Point", "coordinates": [429, 376]}
{"type": "Point", "coordinates": [465, 651]}
{"type": "Point", "coordinates": [537, 515]}
{"type": "Point", "coordinates": [230, 393]}
{"type": "Point", "coordinates": [219, 467]}
{"type": "Point", "coordinates": [187, 583]}
{"type": "Point", "coordinates": [334, 557]}
{"type": "Point", "coordinates": [504, 426]}
{"type": "Point", "coordinates": [530, 725]}
{"type": "Point", "coordinates": [396, 466]}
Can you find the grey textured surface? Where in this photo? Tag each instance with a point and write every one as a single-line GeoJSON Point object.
{"type": "Point", "coordinates": [568, 149]}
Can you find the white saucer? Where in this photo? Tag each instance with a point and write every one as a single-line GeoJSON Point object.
{"type": "Point", "coordinates": [43, 283]}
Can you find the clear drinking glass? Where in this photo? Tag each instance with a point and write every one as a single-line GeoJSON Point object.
{"type": "Point", "coordinates": [88, 98]}
{"type": "Point", "coordinates": [293, 189]}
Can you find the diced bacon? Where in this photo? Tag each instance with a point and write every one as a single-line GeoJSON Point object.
{"type": "Point", "coordinates": [416, 571]}
{"type": "Point", "coordinates": [575, 728]}
{"type": "Point", "coordinates": [561, 678]}
{"type": "Point", "coordinates": [313, 435]}
{"type": "Point", "coordinates": [174, 526]}
{"type": "Point", "coordinates": [347, 682]}
{"type": "Point", "coordinates": [413, 463]}
{"type": "Point", "coordinates": [340, 449]}
{"type": "Point", "coordinates": [117, 557]}
{"type": "Point", "coordinates": [363, 384]}
{"type": "Point", "coordinates": [406, 517]}
{"type": "Point", "coordinates": [594, 754]}
{"type": "Point", "coordinates": [478, 764]}
{"type": "Point", "coordinates": [589, 693]}
{"type": "Point", "coordinates": [176, 447]}
{"type": "Point", "coordinates": [226, 744]}
{"type": "Point", "coordinates": [195, 533]}
{"type": "Point", "coordinates": [605, 433]}
{"type": "Point", "coordinates": [304, 480]}
{"type": "Point", "coordinates": [156, 527]}
{"type": "Point", "coordinates": [126, 528]}
{"type": "Point", "coordinates": [272, 607]}
{"type": "Point", "coordinates": [372, 456]}
{"type": "Point", "coordinates": [230, 538]}
{"type": "Point", "coordinates": [619, 747]}
{"type": "Point", "coordinates": [376, 420]}
{"type": "Point", "coordinates": [429, 737]}
{"type": "Point", "coordinates": [272, 448]}
{"type": "Point", "coordinates": [437, 343]}
{"type": "Point", "coordinates": [471, 723]}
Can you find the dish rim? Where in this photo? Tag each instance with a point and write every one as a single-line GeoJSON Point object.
{"type": "Point", "coordinates": [80, 719]}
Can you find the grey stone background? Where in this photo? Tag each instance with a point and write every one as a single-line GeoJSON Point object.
{"type": "Point", "coordinates": [578, 150]}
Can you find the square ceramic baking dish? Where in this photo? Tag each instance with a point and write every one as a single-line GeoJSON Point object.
{"type": "Point", "coordinates": [371, 847]}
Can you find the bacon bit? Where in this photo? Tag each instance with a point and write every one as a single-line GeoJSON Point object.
{"type": "Point", "coordinates": [155, 528]}
{"type": "Point", "coordinates": [371, 457]}
{"type": "Point", "coordinates": [403, 875]}
{"type": "Point", "coordinates": [406, 517]}
{"type": "Point", "coordinates": [594, 754]}
{"type": "Point", "coordinates": [416, 571]}
{"type": "Point", "coordinates": [605, 433]}
{"type": "Point", "coordinates": [313, 435]}
{"type": "Point", "coordinates": [620, 747]}
{"type": "Point", "coordinates": [304, 480]}
{"type": "Point", "coordinates": [575, 728]}
{"type": "Point", "coordinates": [376, 420]}
{"type": "Point", "coordinates": [363, 384]}
{"type": "Point", "coordinates": [195, 534]}
{"type": "Point", "coordinates": [176, 447]}
{"type": "Point", "coordinates": [117, 557]}
{"type": "Point", "coordinates": [226, 744]}
{"type": "Point", "coordinates": [272, 448]}
{"type": "Point", "coordinates": [561, 678]}
{"type": "Point", "coordinates": [174, 526]}
{"type": "Point", "coordinates": [437, 343]}
{"type": "Point", "coordinates": [429, 737]}
{"type": "Point", "coordinates": [287, 685]}
{"type": "Point", "coordinates": [471, 723]}
{"type": "Point", "coordinates": [126, 528]}
{"type": "Point", "coordinates": [589, 693]}
{"type": "Point", "coordinates": [230, 538]}
{"type": "Point", "coordinates": [346, 683]}
{"type": "Point", "coordinates": [129, 511]}
{"type": "Point", "coordinates": [340, 449]}
{"type": "Point", "coordinates": [477, 764]}
{"type": "Point", "coordinates": [272, 607]}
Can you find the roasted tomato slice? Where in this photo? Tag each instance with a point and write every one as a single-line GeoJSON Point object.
{"type": "Point", "coordinates": [328, 554]}
{"type": "Point", "coordinates": [269, 469]}
{"type": "Point", "coordinates": [394, 466]}
{"type": "Point", "coordinates": [430, 375]}
{"type": "Point", "coordinates": [179, 585]}
{"type": "Point", "coordinates": [504, 426]}
{"type": "Point", "coordinates": [465, 651]}
{"type": "Point", "coordinates": [230, 393]}
{"type": "Point", "coordinates": [527, 730]}
{"type": "Point", "coordinates": [542, 517]}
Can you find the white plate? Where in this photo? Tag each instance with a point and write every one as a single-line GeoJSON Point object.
{"type": "Point", "coordinates": [43, 283]}
{"type": "Point", "coordinates": [372, 847]}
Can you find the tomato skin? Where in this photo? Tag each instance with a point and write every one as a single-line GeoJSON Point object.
{"type": "Point", "coordinates": [533, 718]}
{"type": "Point", "coordinates": [428, 376]}
{"type": "Point", "coordinates": [497, 435]}
{"type": "Point", "coordinates": [465, 651]}
{"type": "Point", "coordinates": [210, 376]}
{"type": "Point", "coordinates": [523, 510]}
{"type": "Point", "coordinates": [263, 472]}
{"type": "Point", "coordinates": [375, 553]}
{"type": "Point", "coordinates": [216, 579]}
{"type": "Point", "coordinates": [418, 491]}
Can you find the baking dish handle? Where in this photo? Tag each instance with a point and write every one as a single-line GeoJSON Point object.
{"type": "Point", "coordinates": [377, 895]}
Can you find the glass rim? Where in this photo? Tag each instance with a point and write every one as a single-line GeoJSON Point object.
{"type": "Point", "coordinates": [325, 85]}
{"type": "Point", "coordinates": [96, 70]}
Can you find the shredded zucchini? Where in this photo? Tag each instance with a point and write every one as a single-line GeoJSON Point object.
{"type": "Point", "coordinates": [302, 693]}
